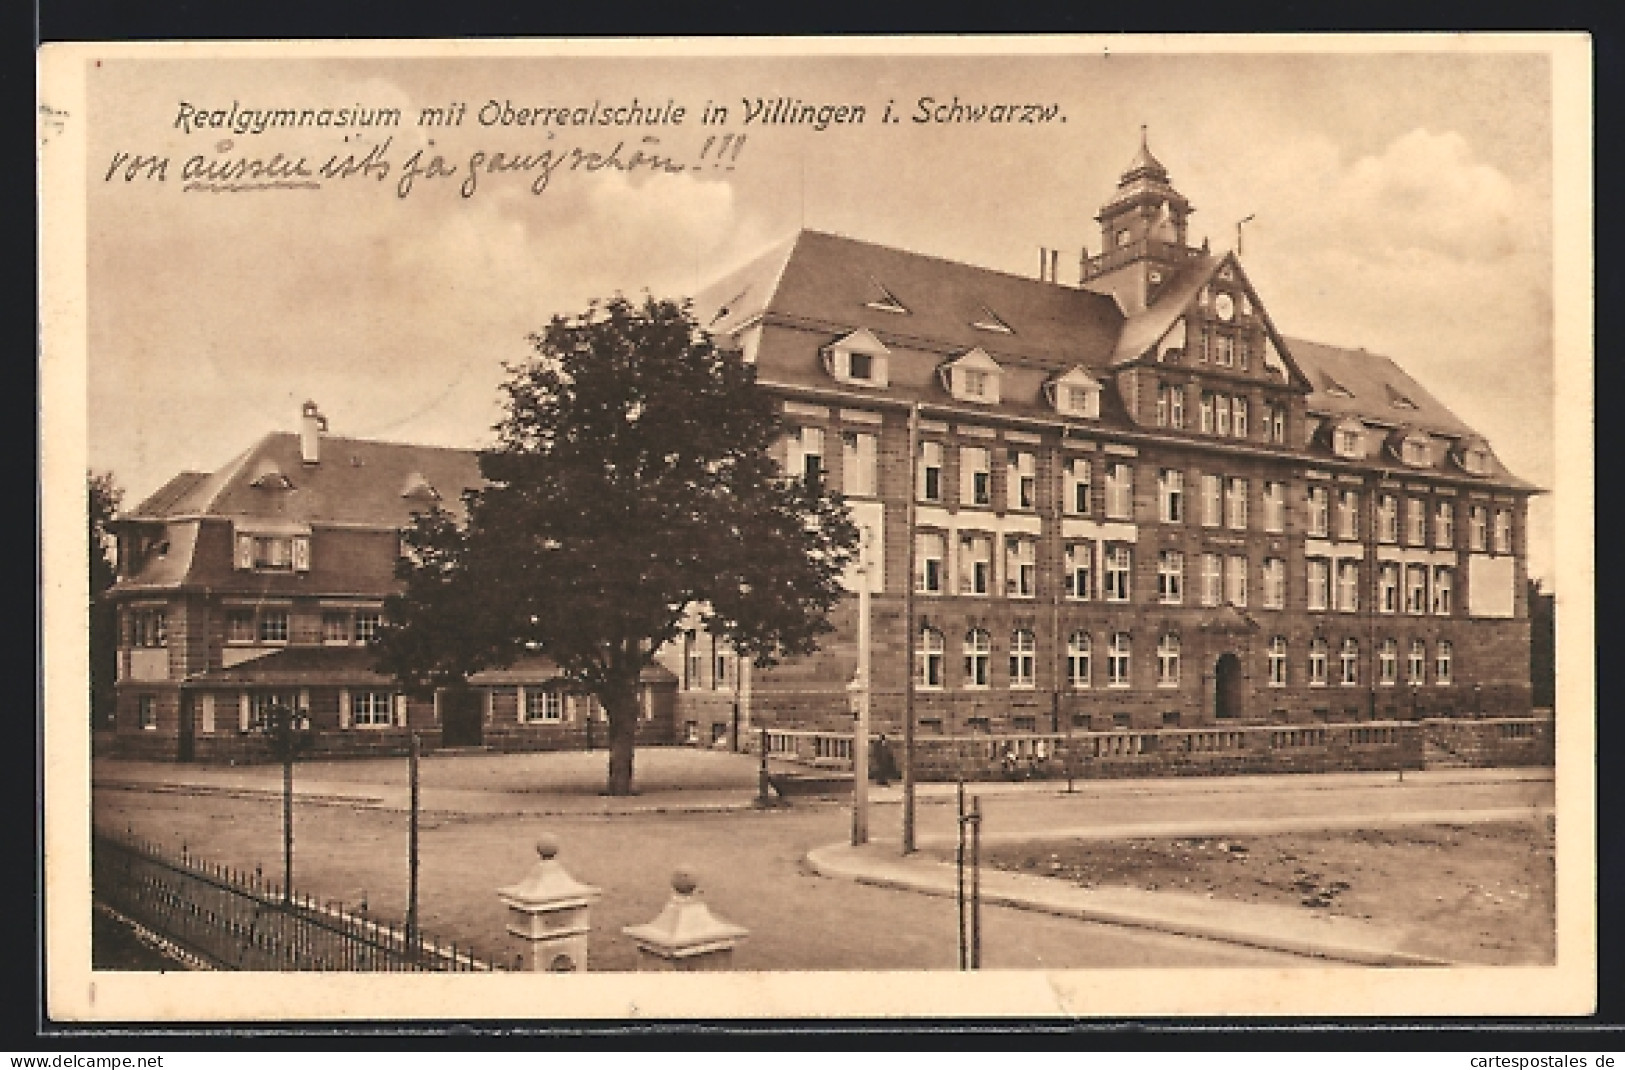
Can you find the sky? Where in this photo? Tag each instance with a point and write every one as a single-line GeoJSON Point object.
{"type": "Point", "coordinates": [1401, 202]}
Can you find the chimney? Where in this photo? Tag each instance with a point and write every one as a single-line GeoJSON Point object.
{"type": "Point", "coordinates": [1055, 265]}
{"type": "Point", "coordinates": [311, 425]}
{"type": "Point", "coordinates": [1043, 263]}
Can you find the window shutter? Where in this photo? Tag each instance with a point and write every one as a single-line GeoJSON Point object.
{"type": "Point", "coordinates": [301, 553]}
{"type": "Point", "coordinates": [245, 551]}
{"type": "Point", "coordinates": [207, 711]}
{"type": "Point", "coordinates": [243, 712]}
{"type": "Point", "coordinates": [400, 711]}
{"type": "Point", "coordinates": [344, 708]}
{"type": "Point", "coordinates": [519, 703]}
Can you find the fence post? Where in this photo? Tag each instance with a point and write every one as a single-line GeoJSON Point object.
{"type": "Point", "coordinates": [685, 936]}
{"type": "Point", "coordinates": [552, 912]}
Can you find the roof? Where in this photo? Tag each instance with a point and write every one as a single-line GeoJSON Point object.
{"type": "Point", "coordinates": [1142, 331]}
{"type": "Point", "coordinates": [356, 482]}
{"type": "Point", "coordinates": [1373, 382]}
{"type": "Point", "coordinates": [828, 279]}
{"type": "Point", "coordinates": [331, 665]}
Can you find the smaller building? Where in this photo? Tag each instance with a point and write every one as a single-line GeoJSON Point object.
{"type": "Point", "coordinates": [263, 584]}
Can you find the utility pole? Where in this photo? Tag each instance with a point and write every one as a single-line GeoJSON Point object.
{"type": "Point", "coordinates": [1239, 223]}
{"type": "Point", "coordinates": [860, 700]}
{"type": "Point", "coordinates": [412, 847]}
{"type": "Point", "coordinates": [909, 633]}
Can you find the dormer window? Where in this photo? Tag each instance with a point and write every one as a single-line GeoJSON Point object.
{"type": "Point", "coordinates": [884, 300]}
{"type": "Point", "coordinates": [1348, 439]}
{"type": "Point", "coordinates": [1414, 450]}
{"type": "Point", "coordinates": [972, 377]}
{"type": "Point", "coordinates": [1474, 457]}
{"type": "Point", "coordinates": [1075, 393]}
{"type": "Point", "coordinates": [418, 487]}
{"type": "Point", "coordinates": [1334, 388]}
{"type": "Point", "coordinates": [859, 359]}
{"type": "Point", "coordinates": [269, 477]}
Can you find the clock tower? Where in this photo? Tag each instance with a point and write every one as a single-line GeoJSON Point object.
{"type": "Point", "coordinates": [1143, 228]}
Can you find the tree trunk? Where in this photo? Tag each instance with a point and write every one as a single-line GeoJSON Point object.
{"type": "Point", "coordinates": [621, 707]}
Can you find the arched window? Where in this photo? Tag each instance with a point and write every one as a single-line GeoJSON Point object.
{"type": "Point", "coordinates": [1022, 645]}
{"type": "Point", "coordinates": [978, 657]}
{"type": "Point", "coordinates": [931, 658]}
{"type": "Point", "coordinates": [1077, 659]}
{"type": "Point", "coordinates": [1117, 660]}
{"type": "Point", "coordinates": [1317, 662]}
{"type": "Point", "coordinates": [1277, 656]}
{"type": "Point", "coordinates": [1350, 663]}
{"type": "Point", "coordinates": [1168, 660]}
{"type": "Point", "coordinates": [1388, 662]}
{"type": "Point", "coordinates": [1418, 662]}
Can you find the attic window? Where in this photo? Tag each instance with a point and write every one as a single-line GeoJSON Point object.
{"type": "Point", "coordinates": [884, 300]}
{"type": "Point", "coordinates": [1348, 439]}
{"type": "Point", "coordinates": [1475, 458]}
{"type": "Point", "coordinates": [1400, 401]}
{"type": "Point", "coordinates": [1075, 394]}
{"type": "Point", "coordinates": [1334, 388]}
{"type": "Point", "coordinates": [1413, 450]}
{"type": "Point", "coordinates": [990, 321]}
{"type": "Point", "coordinates": [859, 359]}
{"type": "Point", "coordinates": [271, 477]}
{"type": "Point", "coordinates": [419, 487]}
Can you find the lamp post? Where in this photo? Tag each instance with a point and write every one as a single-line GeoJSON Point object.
{"type": "Point", "coordinates": [289, 733]}
{"type": "Point", "coordinates": [859, 692]}
{"type": "Point", "coordinates": [909, 634]}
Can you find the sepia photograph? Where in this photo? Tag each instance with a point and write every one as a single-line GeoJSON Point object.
{"type": "Point", "coordinates": [896, 527]}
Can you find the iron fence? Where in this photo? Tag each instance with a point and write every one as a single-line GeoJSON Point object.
{"type": "Point", "coordinates": [234, 920]}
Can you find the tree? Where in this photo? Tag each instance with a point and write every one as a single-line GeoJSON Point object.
{"type": "Point", "coordinates": [631, 479]}
{"type": "Point", "coordinates": [103, 497]}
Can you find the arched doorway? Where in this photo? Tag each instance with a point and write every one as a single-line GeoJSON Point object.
{"type": "Point", "coordinates": [1227, 686]}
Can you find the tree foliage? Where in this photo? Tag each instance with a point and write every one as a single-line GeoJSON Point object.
{"type": "Point", "coordinates": [632, 478]}
{"type": "Point", "coordinates": [102, 499]}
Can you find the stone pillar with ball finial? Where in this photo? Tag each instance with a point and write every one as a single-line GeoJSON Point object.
{"type": "Point", "coordinates": [685, 936]}
{"type": "Point", "coordinates": [551, 912]}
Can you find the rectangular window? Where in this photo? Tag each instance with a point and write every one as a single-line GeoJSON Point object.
{"type": "Point", "coordinates": [975, 476]}
{"type": "Point", "coordinates": [975, 564]}
{"type": "Point", "coordinates": [1277, 660]}
{"type": "Point", "coordinates": [367, 624]}
{"type": "Point", "coordinates": [240, 626]}
{"type": "Point", "coordinates": [1276, 416]}
{"type": "Point", "coordinates": [1388, 662]}
{"type": "Point", "coordinates": [1387, 518]}
{"type": "Point", "coordinates": [1205, 413]}
{"type": "Point", "coordinates": [1171, 496]}
{"type": "Point", "coordinates": [1168, 662]}
{"type": "Point", "coordinates": [1212, 501]}
{"type": "Point", "coordinates": [1023, 659]}
{"type": "Point", "coordinates": [974, 382]}
{"type": "Point", "coordinates": [1388, 588]}
{"type": "Point", "coordinates": [1212, 579]}
{"type": "Point", "coordinates": [1119, 491]}
{"type": "Point", "coordinates": [1348, 586]}
{"type": "Point", "coordinates": [1221, 414]}
{"type": "Point", "coordinates": [1319, 570]}
{"type": "Point", "coordinates": [1349, 661]}
{"type": "Point", "coordinates": [1224, 352]}
{"type": "Point", "coordinates": [1020, 567]}
{"type": "Point", "coordinates": [1319, 503]}
{"type": "Point", "coordinates": [1235, 581]}
{"type": "Point", "coordinates": [1117, 661]}
{"type": "Point", "coordinates": [1170, 577]}
{"type": "Point", "coordinates": [1444, 525]}
{"type": "Point", "coordinates": [1235, 504]}
{"type": "Point", "coordinates": [1171, 406]}
{"type": "Point", "coordinates": [337, 627]}
{"type": "Point", "coordinates": [1083, 400]}
{"type": "Point", "coordinates": [1415, 522]}
{"type": "Point", "coordinates": [1077, 491]}
{"type": "Point", "coordinates": [1021, 480]}
{"type": "Point", "coordinates": [149, 628]}
{"type": "Point", "coordinates": [370, 708]}
{"type": "Point", "coordinates": [147, 712]}
{"type": "Point", "coordinates": [858, 463]}
{"type": "Point", "coordinates": [1317, 663]}
{"type": "Point", "coordinates": [1274, 506]}
{"type": "Point", "coordinates": [1080, 559]}
{"type": "Point", "coordinates": [1441, 662]}
{"type": "Point", "coordinates": [1348, 514]}
{"type": "Point", "coordinates": [1119, 565]}
{"type": "Point", "coordinates": [930, 549]}
{"type": "Point", "coordinates": [273, 626]}
{"type": "Point", "coordinates": [1503, 531]}
{"type": "Point", "coordinates": [860, 366]}
{"type": "Point", "coordinates": [1416, 588]}
{"type": "Point", "coordinates": [544, 705]}
{"type": "Point", "coordinates": [273, 552]}
{"type": "Point", "coordinates": [1478, 528]}
{"type": "Point", "coordinates": [1444, 583]}
{"type": "Point", "coordinates": [930, 480]}
{"type": "Point", "coordinates": [1418, 666]}
{"type": "Point", "coordinates": [1077, 659]}
{"type": "Point", "coordinates": [693, 662]}
{"type": "Point", "coordinates": [1238, 417]}
{"type": "Point", "coordinates": [810, 449]}
{"type": "Point", "coordinates": [1274, 583]}
{"type": "Point", "coordinates": [931, 659]}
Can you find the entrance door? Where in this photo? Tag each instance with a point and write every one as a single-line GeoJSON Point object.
{"type": "Point", "coordinates": [462, 717]}
{"type": "Point", "coordinates": [1227, 686]}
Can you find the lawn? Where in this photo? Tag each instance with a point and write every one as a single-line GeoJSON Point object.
{"type": "Point", "coordinates": [1481, 894]}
